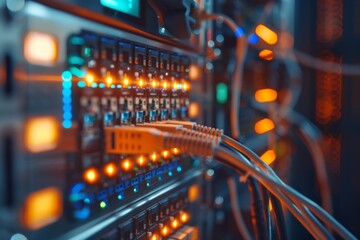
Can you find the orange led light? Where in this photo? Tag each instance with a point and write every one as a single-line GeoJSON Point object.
{"type": "Point", "coordinates": [194, 72]}
{"type": "Point", "coordinates": [165, 231]}
{"type": "Point", "coordinates": [110, 169]}
{"type": "Point", "coordinates": [154, 83]}
{"type": "Point", "coordinates": [184, 217]}
{"type": "Point", "coordinates": [141, 83]}
{"type": "Point", "coordinates": [165, 85]}
{"type": "Point", "coordinates": [175, 151]}
{"type": "Point", "coordinates": [42, 208]}
{"type": "Point", "coordinates": [126, 81]}
{"type": "Point", "coordinates": [194, 110]}
{"type": "Point", "coordinates": [89, 79]}
{"type": "Point", "coordinates": [193, 193]}
{"type": "Point", "coordinates": [264, 125]}
{"type": "Point", "coordinates": [266, 34]}
{"type": "Point", "coordinates": [109, 80]}
{"type": "Point", "coordinates": [91, 175]}
{"type": "Point", "coordinates": [154, 237]}
{"type": "Point", "coordinates": [266, 54]}
{"type": "Point", "coordinates": [40, 48]}
{"type": "Point", "coordinates": [175, 224]}
{"type": "Point", "coordinates": [41, 134]}
{"type": "Point", "coordinates": [268, 157]}
{"type": "Point", "coordinates": [185, 86]}
{"type": "Point", "coordinates": [265, 95]}
{"type": "Point", "coordinates": [154, 157]}
{"type": "Point", "coordinates": [141, 161]}
{"type": "Point", "coordinates": [126, 165]}
{"type": "Point", "coordinates": [175, 86]}
{"type": "Point", "coordinates": [165, 154]}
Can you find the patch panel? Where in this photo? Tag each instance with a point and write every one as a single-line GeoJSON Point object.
{"type": "Point", "coordinates": [157, 221]}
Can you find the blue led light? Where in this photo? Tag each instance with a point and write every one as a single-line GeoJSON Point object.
{"type": "Point", "coordinates": [66, 100]}
{"type": "Point", "coordinates": [87, 200]}
{"type": "Point", "coordinates": [118, 86]}
{"type": "Point", "coordinates": [66, 124]}
{"type": "Point", "coordinates": [101, 85]}
{"type": "Point", "coordinates": [179, 169]}
{"type": "Point", "coordinates": [254, 39]}
{"type": "Point", "coordinates": [170, 174]}
{"type": "Point", "coordinates": [67, 108]}
{"type": "Point", "coordinates": [66, 76]}
{"type": "Point", "coordinates": [94, 85]}
{"type": "Point", "coordinates": [66, 84]}
{"type": "Point", "coordinates": [120, 196]}
{"type": "Point", "coordinates": [239, 32]}
{"type": "Point", "coordinates": [66, 92]}
{"type": "Point", "coordinates": [81, 84]}
{"type": "Point", "coordinates": [67, 115]}
{"type": "Point", "coordinates": [148, 184]}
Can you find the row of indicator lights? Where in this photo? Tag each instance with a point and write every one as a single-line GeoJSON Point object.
{"type": "Point", "coordinates": [174, 225]}
{"type": "Point", "coordinates": [89, 81]}
{"type": "Point", "coordinates": [266, 95]}
{"type": "Point", "coordinates": [66, 98]}
{"type": "Point", "coordinates": [91, 175]}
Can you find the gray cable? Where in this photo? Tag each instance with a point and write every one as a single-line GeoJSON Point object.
{"type": "Point", "coordinates": [293, 194]}
{"type": "Point", "coordinates": [240, 223]}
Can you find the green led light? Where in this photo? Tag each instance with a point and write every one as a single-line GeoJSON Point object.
{"type": "Point", "coordinates": [148, 184]}
{"type": "Point", "coordinates": [135, 190]}
{"type": "Point", "coordinates": [131, 7]}
{"type": "Point", "coordinates": [221, 93]}
{"type": "Point", "coordinates": [76, 40]}
{"type": "Point", "coordinates": [76, 60]}
{"type": "Point", "coordinates": [87, 52]}
{"type": "Point", "coordinates": [103, 204]}
{"type": "Point", "coordinates": [77, 72]}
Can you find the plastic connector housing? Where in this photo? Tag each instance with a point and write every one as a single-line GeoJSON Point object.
{"type": "Point", "coordinates": [133, 140]}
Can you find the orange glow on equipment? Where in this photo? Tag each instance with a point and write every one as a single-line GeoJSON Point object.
{"type": "Point", "coordinates": [193, 192]}
{"type": "Point", "coordinates": [175, 224]}
{"type": "Point", "coordinates": [264, 125]}
{"type": "Point", "coordinates": [154, 157]}
{"type": "Point", "coordinates": [266, 54]}
{"type": "Point", "coordinates": [126, 165]}
{"type": "Point", "coordinates": [40, 48]}
{"type": "Point", "coordinates": [41, 134]}
{"type": "Point", "coordinates": [109, 80]}
{"type": "Point", "coordinates": [42, 207]}
{"type": "Point", "coordinates": [266, 34]}
{"type": "Point", "coordinates": [268, 157]}
{"type": "Point", "coordinates": [184, 217]}
{"type": "Point", "coordinates": [141, 161]}
{"type": "Point", "coordinates": [165, 154]}
{"type": "Point", "coordinates": [165, 231]}
{"type": "Point", "coordinates": [265, 95]}
{"type": "Point", "coordinates": [110, 169]}
{"type": "Point", "coordinates": [91, 175]}
{"type": "Point", "coordinates": [89, 79]}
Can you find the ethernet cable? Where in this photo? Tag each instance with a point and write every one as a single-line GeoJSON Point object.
{"type": "Point", "coordinates": [130, 140]}
{"type": "Point", "coordinates": [237, 79]}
